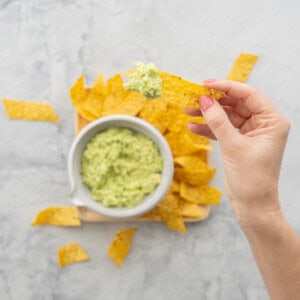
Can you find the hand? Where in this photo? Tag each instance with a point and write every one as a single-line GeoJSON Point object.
{"type": "Point", "coordinates": [252, 135]}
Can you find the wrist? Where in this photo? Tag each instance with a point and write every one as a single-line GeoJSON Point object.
{"type": "Point", "coordinates": [261, 211]}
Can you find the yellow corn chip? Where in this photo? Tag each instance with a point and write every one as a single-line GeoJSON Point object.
{"type": "Point", "coordinates": [179, 119]}
{"type": "Point", "coordinates": [170, 213]}
{"type": "Point", "coordinates": [182, 92]}
{"type": "Point", "coordinates": [192, 161]}
{"type": "Point", "coordinates": [58, 216]}
{"type": "Point", "coordinates": [210, 195]}
{"type": "Point", "coordinates": [190, 210]}
{"type": "Point", "coordinates": [194, 176]}
{"type": "Point", "coordinates": [200, 194]}
{"type": "Point", "coordinates": [153, 215]}
{"type": "Point", "coordinates": [71, 253]}
{"type": "Point", "coordinates": [94, 100]}
{"type": "Point", "coordinates": [115, 86]}
{"type": "Point", "coordinates": [132, 104]}
{"type": "Point", "coordinates": [121, 245]}
{"type": "Point", "coordinates": [29, 110]}
{"type": "Point", "coordinates": [175, 186]}
{"type": "Point", "coordinates": [78, 94]}
{"type": "Point", "coordinates": [242, 67]}
{"type": "Point", "coordinates": [154, 112]}
{"type": "Point", "coordinates": [182, 143]}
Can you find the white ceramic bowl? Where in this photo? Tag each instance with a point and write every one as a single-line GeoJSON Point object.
{"type": "Point", "coordinates": [81, 195]}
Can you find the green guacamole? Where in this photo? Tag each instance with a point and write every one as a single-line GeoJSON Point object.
{"type": "Point", "coordinates": [121, 167]}
{"type": "Point", "coordinates": [145, 80]}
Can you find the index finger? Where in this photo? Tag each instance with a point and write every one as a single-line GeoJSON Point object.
{"type": "Point", "coordinates": [251, 98]}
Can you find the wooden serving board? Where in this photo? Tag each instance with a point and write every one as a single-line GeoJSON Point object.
{"type": "Point", "coordinates": [88, 215]}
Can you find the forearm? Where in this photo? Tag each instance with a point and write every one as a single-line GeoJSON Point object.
{"type": "Point", "coordinates": [276, 249]}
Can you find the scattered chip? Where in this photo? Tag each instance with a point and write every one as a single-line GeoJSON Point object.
{"type": "Point", "coordinates": [170, 213]}
{"type": "Point", "coordinates": [57, 216]}
{"type": "Point", "coordinates": [71, 253]}
{"type": "Point", "coordinates": [29, 110]}
{"type": "Point", "coordinates": [200, 194]}
{"type": "Point", "coordinates": [242, 67]}
{"type": "Point", "coordinates": [121, 245]}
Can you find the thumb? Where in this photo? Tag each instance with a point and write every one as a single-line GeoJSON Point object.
{"type": "Point", "coordinates": [218, 121]}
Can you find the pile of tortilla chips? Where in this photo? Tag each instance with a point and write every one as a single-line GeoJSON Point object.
{"type": "Point", "coordinates": [190, 151]}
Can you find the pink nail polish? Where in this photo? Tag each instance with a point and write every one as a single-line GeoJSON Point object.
{"type": "Point", "coordinates": [206, 102]}
{"type": "Point", "coordinates": [210, 80]}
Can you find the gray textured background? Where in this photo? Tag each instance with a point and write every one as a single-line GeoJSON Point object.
{"type": "Point", "coordinates": [44, 47]}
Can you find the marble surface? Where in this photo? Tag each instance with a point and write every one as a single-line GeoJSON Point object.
{"type": "Point", "coordinates": [45, 45]}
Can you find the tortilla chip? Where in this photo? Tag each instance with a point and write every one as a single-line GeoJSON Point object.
{"type": "Point", "coordinates": [200, 194]}
{"type": "Point", "coordinates": [57, 216]}
{"type": "Point", "coordinates": [179, 119]}
{"type": "Point", "coordinates": [29, 110]}
{"type": "Point", "coordinates": [175, 186]}
{"type": "Point", "coordinates": [242, 67]}
{"type": "Point", "coordinates": [132, 104]}
{"type": "Point", "coordinates": [183, 144]}
{"type": "Point", "coordinates": [78, 95]}
{"type": "Point", "coordinates": [190, 210]}
{"type": "Point", "coordinates": [193, 161]}
{"type": "Point", "coordinates": [115, 86]}
{"type": "Point", "coordinates": [195, 176]}
{"type": "Point", "coordinates": [97, 94]}
{"type": "Point", "coordinates": [71, 253]}
{"type": "Point", "coordinates": [182, 92]}
{"type": "Point", "coordinates": [121, 245]}
{"type": "Point", "coordinates": [170, 213]}
{"type": "Point", "coordinates": [154, 112]}
{"type": "Point", "coordinates": [153, 215]}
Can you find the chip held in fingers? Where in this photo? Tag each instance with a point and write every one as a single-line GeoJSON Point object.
{"type": "Point", "coordinates": [154, 83]}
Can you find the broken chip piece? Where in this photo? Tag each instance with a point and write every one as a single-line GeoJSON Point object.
{"type": "Point", "coordinates": [30, 110]}
{"type": "Point", "coordinates": [71, 253]}
{"type": "Point", "coordinates": [242, 67]}
{"type": "Point", "coordinates": [121, 245]}
{"type": "Point", "coordinates": [57, 216]}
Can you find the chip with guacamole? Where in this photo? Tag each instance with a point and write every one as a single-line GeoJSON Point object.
{"type": "Point", "coordinates": [121, 167]}
{"type": "Point", "coordinates": [145, 80]}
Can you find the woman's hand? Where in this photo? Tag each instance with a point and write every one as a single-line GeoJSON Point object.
{"type": "Point", "coordinates": [252, 135]}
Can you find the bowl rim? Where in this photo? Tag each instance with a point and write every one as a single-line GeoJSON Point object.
{"type": "Point", "coordinates": [151, 200]}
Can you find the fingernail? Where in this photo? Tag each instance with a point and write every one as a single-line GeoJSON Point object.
{"type": "Point", "coordinates": [210, 80]}
{"type": "Point", "coordinates": [205, 102]}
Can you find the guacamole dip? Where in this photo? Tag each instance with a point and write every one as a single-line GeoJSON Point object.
{"type": "Point", "coordinates": [121, 167]}
{"type": "Point", "coordinates": [145, 80]}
